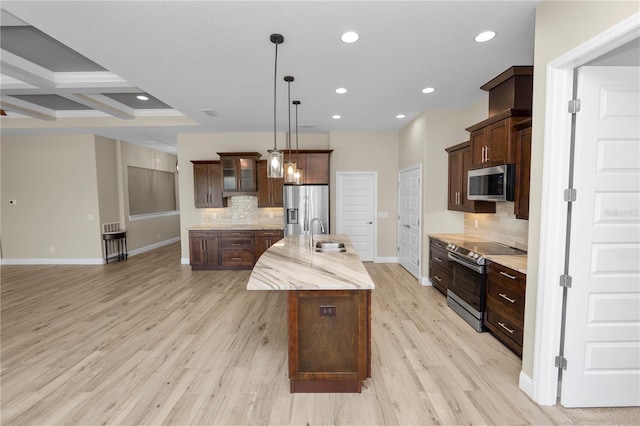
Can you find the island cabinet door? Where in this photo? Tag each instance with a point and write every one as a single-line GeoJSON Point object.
{"type": "Point", "coordinates": [329, 340]}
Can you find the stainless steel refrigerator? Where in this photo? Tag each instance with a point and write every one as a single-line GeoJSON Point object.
{"type": "Point", "coordinates": [302, 204]}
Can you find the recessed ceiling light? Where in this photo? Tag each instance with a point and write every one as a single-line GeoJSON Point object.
{"type": "Point", "coordinates": [428, 90]}
{"type": "Point", "coordinates": [400, 116]}
{"type": "Point", "coordinates": [350, 37]}
{"type": "Point", "coordinates": [336, 117]}
{"type": "Point", "coordinates": [485, 36]}
{"type": "Point", "coordinates": [143, 97]}
{"type": "Point", "coordinates": [341, 90]}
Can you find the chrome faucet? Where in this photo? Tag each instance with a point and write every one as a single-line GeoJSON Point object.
{"type": "Point", "coordinates": [311, 227]}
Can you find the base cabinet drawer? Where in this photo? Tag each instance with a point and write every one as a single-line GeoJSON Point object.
{"type": "Point", "coordinates": [236, 258]}
{"type": "Point", "coordinates": [504, 326]}
{"type": "Point", "coordinates": [439, 277]}
{"type": "Point", "coordinates": [504, 311]}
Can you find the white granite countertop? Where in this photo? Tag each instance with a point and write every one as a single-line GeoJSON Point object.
{"type": "Point", "coordinates": [291, 264]}
{"type": "Point", "coordinates": [517, 263]}
{"type": "Point", "coordinates": [236, 226]}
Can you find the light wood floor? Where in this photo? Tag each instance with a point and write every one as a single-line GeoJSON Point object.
{"type": "Point", "coordinates": [148, 341]}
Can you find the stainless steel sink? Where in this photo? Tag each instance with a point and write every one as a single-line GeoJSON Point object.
{"type": "Point", "coordinates": [330, 247]}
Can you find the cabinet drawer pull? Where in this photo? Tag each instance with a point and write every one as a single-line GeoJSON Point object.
{"type": "Point", "coordinates": [503, 325]}
{"type": "Point", "coordinates": [507, 275]}
{"type": "Point", "coordinates": [236, 258]}
{"type": "Point", "coordinates": [504, 296]}
{"type": "Point", "coordinates": [437, 259]}
{"type": "Point", "coordinates": [437, 278]}
{"type": "Point", "coordinates": [236, 244]}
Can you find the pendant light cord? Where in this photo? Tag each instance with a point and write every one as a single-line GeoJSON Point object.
{"type": "Point", "coordinates": [275, 78]}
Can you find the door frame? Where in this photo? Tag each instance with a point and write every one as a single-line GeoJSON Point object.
{"type": "Point", "coordinates": [374, 215]}
{"type": "Point", "coordinates": [543, 386]}
{"type": "Point", "coordinates": [417, 167]}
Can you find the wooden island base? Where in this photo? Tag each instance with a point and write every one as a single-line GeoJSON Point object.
{"type": "Point", "coordinates": [329, 340]}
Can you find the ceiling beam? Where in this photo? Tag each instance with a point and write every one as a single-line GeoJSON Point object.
{"type": "Point", "coordinates": [104, 104]}
{"type": "Point", "coordinates": [27, 108]}
{"type": "Point", "coordinates": [26, 71]}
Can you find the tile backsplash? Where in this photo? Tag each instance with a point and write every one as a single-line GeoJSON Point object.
{"type": "Point", "coordinates": [241, 210]}
{"type": "Point", "coordinates": [501, 226]}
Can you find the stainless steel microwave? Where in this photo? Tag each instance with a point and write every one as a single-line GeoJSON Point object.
{"type": "Point", "coordinates": [496, 183]}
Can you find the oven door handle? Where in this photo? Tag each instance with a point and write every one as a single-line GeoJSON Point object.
{"type": "Point", "coordinates": [477, 268]}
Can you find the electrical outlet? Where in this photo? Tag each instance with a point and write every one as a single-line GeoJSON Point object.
{"type": "Point", "coordinates": [90, 217]}
{"type": "Point", "coordinates": [475, 223]}
{"type": "Point", "coordinates": [52, 249]}
{"type": "Point", "coordinates": [328, 311]}
{"type": "Point", "coordinates": [158, 235]}
{"type": "Point", "coordinates": [270, 215]}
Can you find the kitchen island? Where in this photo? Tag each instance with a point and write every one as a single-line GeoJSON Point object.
{"type": "Point", "coordinates": [329, 311]}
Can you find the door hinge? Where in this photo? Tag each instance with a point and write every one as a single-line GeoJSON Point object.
{"type": "Point", "coordinates": [561, 362]}
{"type": "Point", "coordinates": [570, 195]}
{"type": "Point", "coordinates": [565, 281]}
{"type": "Point", "coordinates": [574, 106]}
{"type": "Point", "coordinates": [418, 222]}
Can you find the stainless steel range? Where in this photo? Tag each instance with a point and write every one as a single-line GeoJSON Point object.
{"type": "Point", "coordinates": [466, 294]}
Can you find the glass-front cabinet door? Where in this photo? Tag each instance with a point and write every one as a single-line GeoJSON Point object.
{"type": "Point", "coordinates": [239, 171]}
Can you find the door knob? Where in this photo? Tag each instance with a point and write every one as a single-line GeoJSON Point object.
{"type": "Point", "coordinates": [370, 223]}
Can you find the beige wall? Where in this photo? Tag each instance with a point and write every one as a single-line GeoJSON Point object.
{"type": "Point", "coordinates": [66, 186]}
{"type": "Point", "coordinates": [556, 35]}
{"type": "Point", "coordinates": [371, 151]}
{"type": "Point", "coordinates": [54, 181]}
{"type": "Point", "coordinates": [423, 141]}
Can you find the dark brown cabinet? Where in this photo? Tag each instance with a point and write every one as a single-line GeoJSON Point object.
{"type": "Point", "coordinates": [523, 169]}
{"type": "Point", "coordinates": [207, 184]}
{"type": "Point", "coordinates": [504, 310]}
{"type": "Point", "coordinates": [264, 239]}
{"type": "Point", "coordinates": [329, 340]}
{"type": "Point", "coordinates": [236, 249]}
{"type": "Point", "coordinates": [438, 265]}
{"type": "Point", "coordinates": [314, 165]}
{"type": "Point", "coordinates": [459, 165]}
{"type": "Point", "coordinates": [239, 172]}
{"type": "Point", "coordinates": [229, 249]}
{"type": "Point", "coordinates": [493, 141]}
{"type": "Point", "coordinates": [203, 249]}
{"type": "Point", "coordinates": [269, 189]}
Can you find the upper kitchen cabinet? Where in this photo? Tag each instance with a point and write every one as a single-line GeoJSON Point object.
{"type": "Point", "coordinates": [314, 165]}
{"type": "Point", "coordinates": [523, 169]}
{"type": "Point", "coordinates": [459, 165]}
{"type": "Point", "coordinates": [493, 141]}
{"type": "Point", "coordinates": [207, 184]}
{"type": "Point", "coordinates": [239, 173]}
{"type": "Point", "coordinates": [269, 189]}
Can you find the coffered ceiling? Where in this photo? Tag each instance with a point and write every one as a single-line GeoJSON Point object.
{"type": "Point", "coordinates": [208, 66]}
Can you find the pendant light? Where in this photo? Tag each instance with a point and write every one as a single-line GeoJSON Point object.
{"type": "Point", "coordinates": [290, 165]}
{"type": "Point", "coordinates": [298, 172]}
{"type": "Point", "coordinates": [274, 156]}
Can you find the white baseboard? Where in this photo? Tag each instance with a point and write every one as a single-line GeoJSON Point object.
{"type": "Point", "coordinates": [385, 260]}
{"type": "Point", "coordinates": [425, 282]}
{"type": "Point", "coordinates": [53, 261]}
{"type": "Point", "coordinates": [526, 384]}
{"type": "Point", "coordinates": [153, 246]}
{"type": "Point", "coordinates": [84, 261]}
{"type": "Point", "coordinates": [185, 261]}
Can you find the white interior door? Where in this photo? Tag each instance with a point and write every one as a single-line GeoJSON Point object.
{"type": "Point", "coordinates": [356, 210]}
{"type": "Point", "coordinates": [602, 334]}
{"type": "Point", "coordinates": [409, 220]}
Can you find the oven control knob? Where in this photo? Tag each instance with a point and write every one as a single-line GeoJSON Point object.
{"type": "Point", "coordinates": [475, 255]}
{"type": "Point", "coordinates": [470, 254]}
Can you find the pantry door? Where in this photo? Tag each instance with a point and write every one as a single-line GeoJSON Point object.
{"type": "Point", "coordinates": [356, 194]}
{"type": "Point", "coordinates": [602, 332]}
{"type": "Point", "coordinates": [409, 211]}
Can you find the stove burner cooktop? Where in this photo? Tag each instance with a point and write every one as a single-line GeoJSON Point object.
{"type": "Point", "coordinates": [476, 251]}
